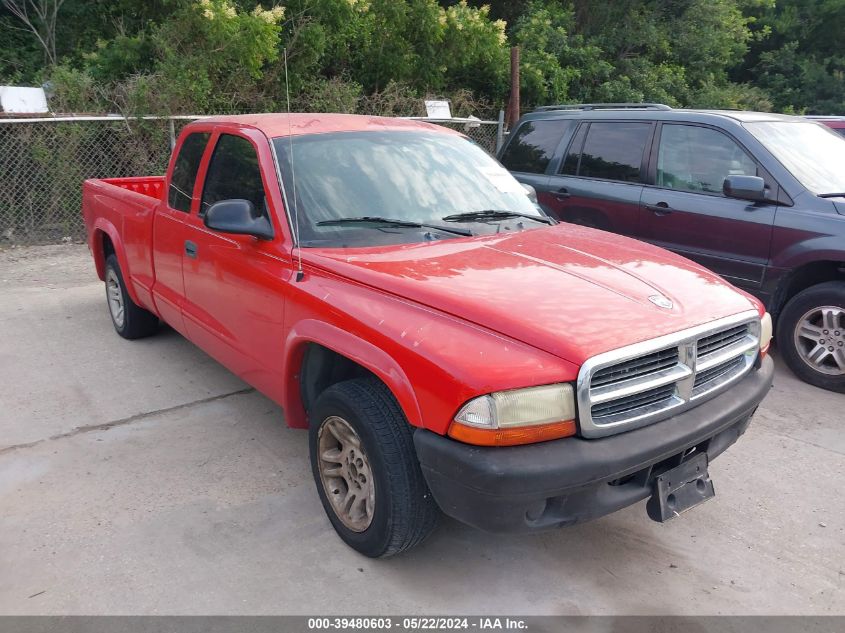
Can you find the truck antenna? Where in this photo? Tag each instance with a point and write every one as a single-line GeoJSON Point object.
{"type": "Point", "coordinates": [299, 272]}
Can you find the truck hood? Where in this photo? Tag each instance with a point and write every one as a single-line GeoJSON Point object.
{"type": "Point", "coordinates": [568, 290]}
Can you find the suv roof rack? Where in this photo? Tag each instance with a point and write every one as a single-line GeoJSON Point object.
{"type": "Point", "coordinates": [605, 106]}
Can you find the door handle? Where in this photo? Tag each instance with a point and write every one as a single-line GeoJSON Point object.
{"type": "Point", "coordinates": [190, 249]}
{"type": "Point", "coordinates": [659, 209]}
{"type": "Point", "coordinates": [561, 194]}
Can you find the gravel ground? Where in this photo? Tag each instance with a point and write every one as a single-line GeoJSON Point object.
{"type": "Point", "coordinates": [144, 478]}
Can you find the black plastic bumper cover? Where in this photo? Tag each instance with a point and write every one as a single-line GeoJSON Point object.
{"type": "Point", "coordinates": [557, 483]}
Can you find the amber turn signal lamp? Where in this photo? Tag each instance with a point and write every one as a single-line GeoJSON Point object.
{"type": "Point", "coordinates": [765, 334]}
{"type": "Point", "coordinates": [516, 416]}
{"type": "Point", "coordinates": [511, 436]}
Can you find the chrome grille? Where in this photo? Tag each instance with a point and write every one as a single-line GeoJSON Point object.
{"type": "Point", "coordinates": [705, 380]}
{"type": "Point", "coordinates": [631, 403]}
{"type": "Point", "coordinates": [715, 342]}
{"type": "Point", "coordinates": [650, 381]}
{"type": "Point", "coordinates": [642, 366]}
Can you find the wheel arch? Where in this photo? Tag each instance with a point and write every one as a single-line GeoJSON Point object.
{"type": "Point", "coordinates": [106, 240]}
{"type": "Point", "coordinates": [321, 354]}
{"type": "Point", "coordinates": [806, 276]}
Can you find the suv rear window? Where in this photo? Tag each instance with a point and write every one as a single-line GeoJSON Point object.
{"type": "Point", "coordinates": [533, 145]}
{"type": "Point", "coordinates": [612, 151]}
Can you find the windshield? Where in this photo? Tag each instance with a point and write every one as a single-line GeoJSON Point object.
{"type": "Point", "coordinates": [814, 154]}
{"type": "Point", "coordinates": [414, 178]}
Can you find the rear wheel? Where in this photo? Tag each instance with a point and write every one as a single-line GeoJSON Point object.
{"type": "Point", "coordinates": [811, 335]}
{"type": "Point", "coordinates": [130, 320]}
{"type": "Point", "coordinates": [366, 469]}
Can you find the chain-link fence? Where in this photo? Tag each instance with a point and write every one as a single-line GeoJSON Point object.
{"type": "Point", "coordinates": [44, 161]}
{"type": "Point", "coordinates": [488, 134]}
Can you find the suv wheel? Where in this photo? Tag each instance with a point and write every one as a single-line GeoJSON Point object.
{"type": "Point", "coordinates": [366, 469]}
{"type": "Point", "coordinates": [811, 335]}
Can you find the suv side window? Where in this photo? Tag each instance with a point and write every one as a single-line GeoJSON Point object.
{"type": "Point", "coordinates": [573, 156]}
{"type": "Point", "coordinates": [533, 145]}
{"type": "Point", "coordinates": [698, 159]}
{"type": "Point", "coordinates": [233, 173]}
{"type": "Point", "coordinates": [614, 150]}
{"type": "Point", "coordinates": [185, 171]}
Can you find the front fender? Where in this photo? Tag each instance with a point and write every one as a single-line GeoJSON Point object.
{"type": "Point", "coordinates": [822, 248]}
{"type": "Point", "coordinates": [356, 349]}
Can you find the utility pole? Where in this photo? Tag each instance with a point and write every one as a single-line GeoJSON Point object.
{"type": "Point", "coordinates": [513, 102]}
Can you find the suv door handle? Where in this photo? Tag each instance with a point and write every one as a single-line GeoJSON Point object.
{"type": "Point", "coordinates": [561, 194]}
{"type": "Point", "coordinates": [190, 249]}
{"type": "Point", "coordinates": [661, 208]}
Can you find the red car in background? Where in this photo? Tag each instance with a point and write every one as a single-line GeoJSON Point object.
{"type": "Point", "coordinates": [837, 123]}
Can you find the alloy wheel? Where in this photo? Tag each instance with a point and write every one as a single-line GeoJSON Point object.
{"type": "Point", "coordinates": [820, 339]}
{"type": "Point", "coordinates": [346, 474]}
{"type": "Point", "coordinates": [115, 297]}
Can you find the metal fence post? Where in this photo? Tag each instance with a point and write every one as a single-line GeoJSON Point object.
{"type": "Point", "coordinates": [172, 127]}
{"type": "Point", "coordinates": [500, 131]}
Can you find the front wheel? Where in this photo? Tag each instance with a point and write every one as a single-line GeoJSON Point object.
{"type": "Point", "coordinates": [811, 335]}
{"type": "Point", "coordinates": [366, 469]}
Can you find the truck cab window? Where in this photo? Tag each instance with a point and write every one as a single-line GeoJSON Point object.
{"type": "Point", "coordinates": [185, 172]}
{"type": "Point", "coordinates": [233, 173]}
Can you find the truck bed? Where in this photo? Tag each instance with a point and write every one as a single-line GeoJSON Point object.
{"type": "Point", "coordinates": [151, 186]}
{"type": "Point", "coordinates": [123, 209]}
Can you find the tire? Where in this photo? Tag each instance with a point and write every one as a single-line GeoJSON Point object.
{"type": "Point", "coordinates": [130, 320]}
{"type": "Point", "coordinates": [818, 311]}
{"type": "Point", "coordinates": [402, 512]}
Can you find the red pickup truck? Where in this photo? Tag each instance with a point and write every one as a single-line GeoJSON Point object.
{"type": "Point", "coordinates": [446, 343]}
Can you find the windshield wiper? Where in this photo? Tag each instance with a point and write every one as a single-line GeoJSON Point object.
{"type": "Point", "coordinates": [494, 214]}
{"type": "Point", "coordinates": [391, 222]}
{"type": "Point", "coordinates": [831, 195]}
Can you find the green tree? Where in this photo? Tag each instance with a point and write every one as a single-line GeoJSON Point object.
{"type": "Point", "coordinates": [801, 61]}
{"type": "Point", "coordinates": [674, 51]}
{"type": "Point", "coordinates": [384, 55]}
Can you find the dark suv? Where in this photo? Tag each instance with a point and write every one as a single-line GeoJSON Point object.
{"type": "Point", "coordinates": [758, 198]}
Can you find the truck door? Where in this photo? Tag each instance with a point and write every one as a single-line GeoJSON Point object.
{"type": "Point", "coordinates": [235, 285]}
{"type": "Point", "coordinates": [169, 229]}
{"type": "Point", "coordinates": [686, 211]}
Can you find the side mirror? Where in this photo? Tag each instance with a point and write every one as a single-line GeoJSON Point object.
{"type": "Point", "coordinates": [745, 188]}
{"type": "Point", "coordinates": [530, 191]}
{"type": "Point", "coordinates": [237, 216]}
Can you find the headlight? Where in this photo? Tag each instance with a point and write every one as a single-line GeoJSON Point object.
{"type": "Point", "coordinates": [765, 333]}
{"type": "Point", "coordinates": [520, 416]}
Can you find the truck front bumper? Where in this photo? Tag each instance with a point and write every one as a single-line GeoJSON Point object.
{"type": "Point", "coordinates": [567, 481]}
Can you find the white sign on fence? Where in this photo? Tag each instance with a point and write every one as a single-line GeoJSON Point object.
{"type": "Point", "coordinates": [18, 100]}
{"type": "Point", "coordinates": [438, 110]}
